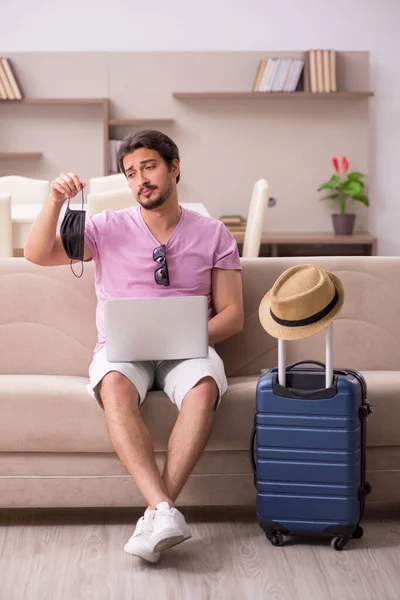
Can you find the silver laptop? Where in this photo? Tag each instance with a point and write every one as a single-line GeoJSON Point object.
{"type": "Point", "coordinates": [156, 328]}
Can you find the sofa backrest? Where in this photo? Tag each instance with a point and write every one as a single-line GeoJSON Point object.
{"type": "Point", "coordinates": [366, 333]}
{"type": "Point", "coordinates": [47, 317]}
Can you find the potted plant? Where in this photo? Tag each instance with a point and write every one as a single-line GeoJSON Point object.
{"type": "Point", "coordinates": [344, 185]}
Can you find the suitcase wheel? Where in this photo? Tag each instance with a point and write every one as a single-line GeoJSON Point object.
{"type": "Point", "coordinates": [276, 538]}
{"type": "Point", "coordinates": [358, 533]}
{"type": "Point", "coordinates": [338, 543]}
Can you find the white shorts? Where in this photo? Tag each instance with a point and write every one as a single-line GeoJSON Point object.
{"type": "Point", "coordinates": [174, 377]}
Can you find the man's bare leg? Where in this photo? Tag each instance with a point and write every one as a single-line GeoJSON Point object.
{"type": "Point", "coordinates": [131, 438]}
{"type": "Point", "coordinates": [190, 435]}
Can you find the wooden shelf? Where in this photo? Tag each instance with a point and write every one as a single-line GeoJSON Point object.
{"type": "Point", "coordinates": [272, 95]}
{"type": "Point", "coordinates": [20, 155]}
{"type": "Point", "coordinates": [56, 101]}
{"type": "Point", "coordinates": [113, 122]}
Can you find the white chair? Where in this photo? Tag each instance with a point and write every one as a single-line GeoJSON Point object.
{"type": "Point", "coordinates": [24, 190]}
{"type": "Point", "coordinates": [115, 200]}
{"type": "Point", "coordinates": [255, 219]}
{"type": "Point", "coordinates": [6, 245]}
{"type": "Point", "coordinates": [108, 183]}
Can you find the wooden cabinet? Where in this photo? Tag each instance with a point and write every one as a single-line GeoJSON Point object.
{"type": "Point", "coordinates": [315, 244]}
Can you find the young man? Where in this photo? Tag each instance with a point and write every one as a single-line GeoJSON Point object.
{"type": "Point", "coordinates": [155, 249]}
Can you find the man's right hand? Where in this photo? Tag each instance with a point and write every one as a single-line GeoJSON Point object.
{"type": "Point", "coordinates": [67, 185]}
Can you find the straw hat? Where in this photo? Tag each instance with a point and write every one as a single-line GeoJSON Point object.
{"type": "Point", "coordinates": [304, 300]}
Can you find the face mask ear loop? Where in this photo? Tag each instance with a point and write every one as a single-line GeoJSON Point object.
{"type": "Point", "coordinates": [78, 276]}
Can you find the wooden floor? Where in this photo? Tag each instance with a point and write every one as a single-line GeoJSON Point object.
{"type": "Point", "coordinates": [78, 556]}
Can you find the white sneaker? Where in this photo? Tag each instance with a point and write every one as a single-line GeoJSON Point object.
{"type": "Point", "coordinates": [139, 543]}
{"type": "Point", "coordinates": [169, 528]}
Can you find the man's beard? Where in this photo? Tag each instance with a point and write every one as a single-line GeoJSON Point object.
{"type": "Point", "coordinates": [151, 204]}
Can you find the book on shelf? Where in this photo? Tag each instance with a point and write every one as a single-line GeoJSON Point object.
{"type": "Point", "coordinates": [8, 83]}
{"type": "Point", "coordinates": [231, 219]}
{"type": "Point", "coordinates": [3, 93]}
{"type": "Point", "coordinates": [235, 223]}
{"type": "Point", "coordinates": [259, 75]}
{"type": "Point", "coordinates": [332, 67]}
{"type": "Point", "coordinates": [320, 72]}
{"type": "Point", "coordinates": [113, 147]}
{"type": "Point", "coordinates": [278, 74]}
{"type": "Point", "coordinates": [312, 61]}
{"type": "Point", "coordinates": [326, 71]}
{"type": "Point", "coordinates": [237, 228]}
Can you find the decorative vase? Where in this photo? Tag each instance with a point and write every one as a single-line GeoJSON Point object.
{"type": "Point", "coordinates": [343, 224]}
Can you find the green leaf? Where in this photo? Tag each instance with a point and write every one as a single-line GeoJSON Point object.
{"type": "Point", "coordinates": [326, 186]}
{"type": "Point", "coordinates": [352, 188]}
{"type": "Point", "coordinates": [335, 180]}
{"type": "Point", "coordinates": [362, 199]}
{"type": "Point", "coordinates": [331, 197]}
{"type": "Point", "coordinates": [332, 184]}
{"type": "Point", "coordinates": [348, 181]}
{"type": "Point", "coordinates": [354, 175]}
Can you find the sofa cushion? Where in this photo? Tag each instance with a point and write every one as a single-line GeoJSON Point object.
{"type": "Point", "coordinates": [47, 319]}
{"type": "Point", "coordinates": [44, 413]}
{"type": "Point", "coordinates": [368, 320]}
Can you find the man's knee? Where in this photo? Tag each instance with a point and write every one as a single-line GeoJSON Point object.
{"type": "Point", "coordinates": [207, 394]}
{"type": "Point", "coordinates": [118, 391]}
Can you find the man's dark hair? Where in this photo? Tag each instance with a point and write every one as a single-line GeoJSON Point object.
{"type": "Point", "coordinates": [153, 140]}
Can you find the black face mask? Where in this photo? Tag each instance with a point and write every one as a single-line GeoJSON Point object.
{"type": "Point", "coordinates": [72, 232]}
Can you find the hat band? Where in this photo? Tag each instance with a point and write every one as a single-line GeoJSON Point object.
{"type": "Point", "coordinates": [309, 320]}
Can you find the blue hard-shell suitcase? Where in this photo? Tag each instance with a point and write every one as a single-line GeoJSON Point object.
{"type": "Point", "coordinates": [309, 468]}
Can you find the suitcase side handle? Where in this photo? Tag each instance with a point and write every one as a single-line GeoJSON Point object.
{"type": "Point", "coordinates": [252, 453]}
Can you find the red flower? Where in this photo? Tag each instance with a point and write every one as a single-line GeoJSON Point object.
{"type": "Point", "coordinates": [335, 163]}
{"type": "Point", "coordinates": [345, 164]}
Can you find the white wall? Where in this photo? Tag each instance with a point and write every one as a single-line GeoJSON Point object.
{"type": "Point", "coordinates": [132, 25]}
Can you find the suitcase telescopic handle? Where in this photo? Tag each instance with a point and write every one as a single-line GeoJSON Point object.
{"type": "Point", "coordinates": [328, 360]}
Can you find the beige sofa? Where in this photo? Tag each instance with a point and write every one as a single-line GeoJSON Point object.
{"type": "Point", "coordinates": [54, 447]}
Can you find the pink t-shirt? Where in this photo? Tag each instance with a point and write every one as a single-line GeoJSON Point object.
{"type": "Point", "coordinates": [122, 247]}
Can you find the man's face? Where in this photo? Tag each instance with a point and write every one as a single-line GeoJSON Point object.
{"type": "Point", "coordinates": [149, 178]}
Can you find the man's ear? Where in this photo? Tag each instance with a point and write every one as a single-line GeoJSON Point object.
{"type": "Point", "coordinates": [175, 167]}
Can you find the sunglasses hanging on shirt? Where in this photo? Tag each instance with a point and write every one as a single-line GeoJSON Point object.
{"type": "Point", "coordinates": [72, 233]}
{"type": "Point", "coordinates": [161, 274]}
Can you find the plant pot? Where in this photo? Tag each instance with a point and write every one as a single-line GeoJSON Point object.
{"type": "Point", "coordinates": [343, 224]}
